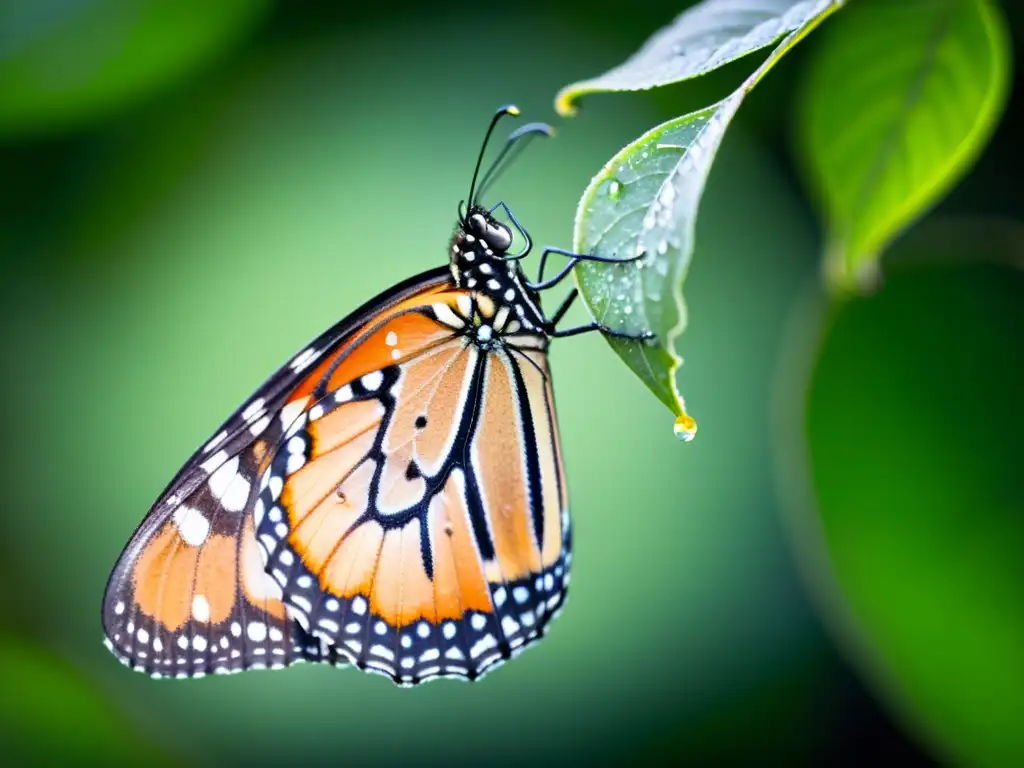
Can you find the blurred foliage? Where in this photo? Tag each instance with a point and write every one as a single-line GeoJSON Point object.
{"type": "Point", "coordinates": [898, 102]}
{"type": "Point", "coordinates": [915, 429]}
{"type": "Point", "coordinates": [51, 715]}
{"type": "Point", "coordinates": [67, 63]}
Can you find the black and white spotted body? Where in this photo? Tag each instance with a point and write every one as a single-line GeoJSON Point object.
{"type": "Point", "coordinates": [480, 262]}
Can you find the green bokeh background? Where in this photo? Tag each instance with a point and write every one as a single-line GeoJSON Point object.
{"type": "Point", "coordinates": [164, 248]}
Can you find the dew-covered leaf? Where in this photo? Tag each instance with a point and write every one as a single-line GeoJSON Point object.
{"type": "Point", "coordinates": [702, 38]}
{"type": "Point", "coordinates": [65, 63]}
{"type": "Point", "coordinates": [643, 206]}
{"type": "Point", "coordinates": [899, 101]}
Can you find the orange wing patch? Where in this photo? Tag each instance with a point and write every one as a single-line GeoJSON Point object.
{"type": "Point", "coordinates": [352, 567]}
{"type": "Point", "coordinates": [379, 344]}
{"type": "Point", "coordinates": [429, 406]}
{"type": "Point", "coordinates": [459, 584]}
{"type": "Point", "coordinates": [498, 460]}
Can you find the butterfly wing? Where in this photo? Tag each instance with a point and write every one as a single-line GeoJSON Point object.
{"type": "Point", "coordinates": [189, 594]}
{"type": "Point", "coordinates": [415, 518]}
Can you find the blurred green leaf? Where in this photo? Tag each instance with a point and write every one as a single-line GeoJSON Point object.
{"type": "Point", "coordinates": [899, 101]}
{"type": "Point", "coordinates": [914, 430]}
{"type": "Point", "coordinates": [51, 715]}
{"type": "Point", "coordinates": [702, 38]}
{"type": "Point", "coordinates": [643, 206]}
{"type": "Point", "coordinates": [65, 63]}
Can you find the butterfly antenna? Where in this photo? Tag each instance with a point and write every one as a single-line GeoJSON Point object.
{"type": "Point", "coordinates": [515, 142]}
{"type": "Point", "coordinates": [508, 109]}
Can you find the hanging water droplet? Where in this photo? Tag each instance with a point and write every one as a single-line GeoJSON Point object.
{"type": "Point", "coordinates": [663, 247]}
{"type": "Point", "coordinates": [685, 427]}
{"type": "Point", "coordinates": [628, 309]}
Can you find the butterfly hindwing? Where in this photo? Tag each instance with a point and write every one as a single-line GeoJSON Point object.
{"type": "Point", "coordinates": [190, 596]}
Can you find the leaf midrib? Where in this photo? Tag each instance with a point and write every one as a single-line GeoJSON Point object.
{"type": "Point", "coordinates": [912, 97]}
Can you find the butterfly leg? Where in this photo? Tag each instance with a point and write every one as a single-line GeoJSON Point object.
{"type": "Point", "coordinates": [574, 259]}
{"type": "Point", "coordinates": [594, 326]}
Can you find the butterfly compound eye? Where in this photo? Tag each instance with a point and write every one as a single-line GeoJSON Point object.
{"type": "Point", "coordinates": [495, 234]}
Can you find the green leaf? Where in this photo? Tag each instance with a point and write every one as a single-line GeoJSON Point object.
{"type": "Point", "coordinates": [643, 206]}
{"type": "Point", "coordinates": [908, 515]}
{"type": "Point", "coordinates": [65, 63]}
{"type": "Point", "coordinates": [50, 714]}
{"type": "Point", "coordinates": [702, 38]}
{"type": "Point", "coordinates": [899, 100]}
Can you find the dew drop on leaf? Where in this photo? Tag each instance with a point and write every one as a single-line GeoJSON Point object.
{"type": "Point", "coordinates": [685, 427]}
{"type": "Point", "coordinates": [612, 188]}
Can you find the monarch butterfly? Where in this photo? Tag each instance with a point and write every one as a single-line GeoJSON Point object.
{"type": "Point", "coordinates": [392, 498]}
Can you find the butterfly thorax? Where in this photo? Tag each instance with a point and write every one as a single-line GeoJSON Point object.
{"type": "Point", "coordinates": [480, 263]}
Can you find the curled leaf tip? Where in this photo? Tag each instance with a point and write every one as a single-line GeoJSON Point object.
{"type": "Point", "coordinates": [685, 427]}
{"type": "Point", "coordinates": [565, 101]}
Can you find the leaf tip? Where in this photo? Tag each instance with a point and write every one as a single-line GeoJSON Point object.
{"type": "Point", "coordinates": [565, 101]}
{"type": "Point", "coordinates": [847, 272]}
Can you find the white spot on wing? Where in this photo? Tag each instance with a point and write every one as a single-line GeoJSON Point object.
{"type": "Point", "coordinates": [258, 426]}
{"type": "Point", "coordinates": [291, 411]}
{"type": "Point", "coordinates": [303, 359]}
{"type": "Point", "coordinates": [214, 461]}
{"type": "Point", "coordinates": [257, 631]}
{"type": "Point", "coordinates": [192, 525]}
{"type": "Point", "coordinates": [372, 380]}
{"type": "Point", "coordinates": [229, 487]}
{"type": "Point", "coordinates": [215, 442]}
{"type": "Point", "coordinates": [483, 645]}
{"type": "Point", "coordinates": [200, 608]}
{"type": "Point", "coordinates": [254, 408]}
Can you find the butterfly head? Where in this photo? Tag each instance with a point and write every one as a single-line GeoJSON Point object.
{"type": "Point", "coordinates": [494, 235]}
{"type": "Point", "coordinates": [479, 249]}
